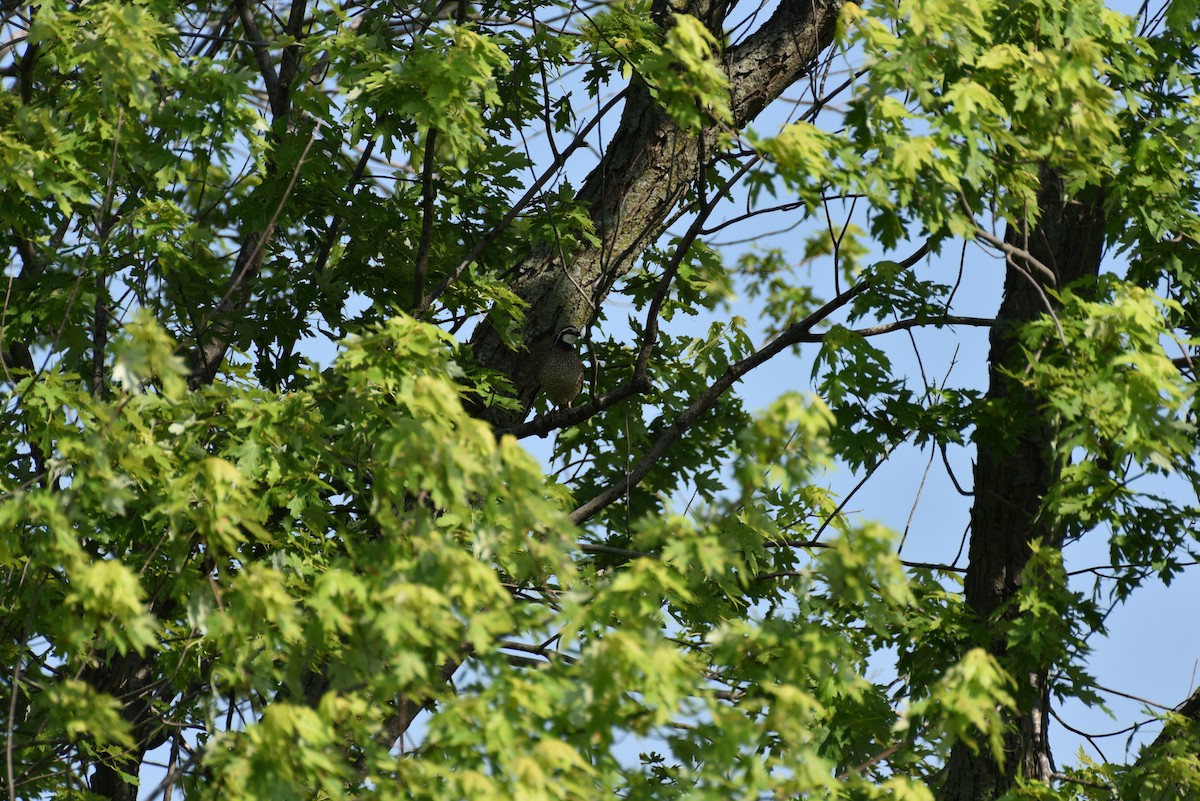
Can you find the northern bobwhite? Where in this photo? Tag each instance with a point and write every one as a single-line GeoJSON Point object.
{"type": "Point", "coordinates": [562, 371]}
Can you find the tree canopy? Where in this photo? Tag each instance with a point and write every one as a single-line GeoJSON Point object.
{"type": "Point", "coordinates": [279, 280]}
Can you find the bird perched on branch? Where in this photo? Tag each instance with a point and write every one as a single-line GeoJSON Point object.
{"type": "Point", "coordinates": [562, 371]}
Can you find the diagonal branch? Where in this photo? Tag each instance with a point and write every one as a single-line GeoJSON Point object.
{"type": "Point", "coordinates": [795, 333]}
{"type": "Point", "coordinates": [215, 338]}
{"type": "Point", "coordinates": [639, 382]}
{"type": "Point", "coordinates": [646, 170]}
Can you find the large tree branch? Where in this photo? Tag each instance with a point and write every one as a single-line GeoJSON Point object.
{"type": "Point", "coordinates": [644, 173]}
{"type": "Point", "coordinates": [261, 51]}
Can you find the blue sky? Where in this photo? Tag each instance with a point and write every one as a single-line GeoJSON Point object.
{"type": "Point", "coordinates": [1152, 649]}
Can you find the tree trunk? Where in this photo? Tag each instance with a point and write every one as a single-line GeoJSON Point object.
{"type": "Point", "coordinates": [1166, 767]}
{"type": "Point", "coordinates": [133, 679]}
{"type": "Point", "coordinates": [1013, 471]}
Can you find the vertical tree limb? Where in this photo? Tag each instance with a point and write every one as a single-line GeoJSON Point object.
{"type": "Point", "coordinates": [1014, 470]}
{"type": "Point", "coordinates": [427, 209]}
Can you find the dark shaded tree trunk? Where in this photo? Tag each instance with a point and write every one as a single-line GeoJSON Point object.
{"type": "Point", "coordinates": [1189, 709]}
{"type": "Point", "coordinates": [1015, 466]}
{"type": "Point", "coordinates": [134, 680]}
{"type": "Point", "coordinates": [1174, 748]}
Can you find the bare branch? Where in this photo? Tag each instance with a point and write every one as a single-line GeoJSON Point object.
{"type": "Point", "coordinates": [336, 224]}
{"type": "Point", "coordinates": [794, 334]}
{"type": "Point", "coordinates": [1020, 257]}
{"type": "Point", "coordinates": [491, 236]}
{"type": "Point", "coordinates": [262, 55]}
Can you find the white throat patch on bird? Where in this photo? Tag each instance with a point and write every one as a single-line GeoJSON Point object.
{"type": "Point", "coordinates": [561, 372]}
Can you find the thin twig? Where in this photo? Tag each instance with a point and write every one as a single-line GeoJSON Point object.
{"type": "Point", "coordinates": [882, 755]}
{"type": "Point", "coordinates": [950, 473]}
{"type": "Point", "coordinates": [1012, 251]}
{"type": "Point", "coordinates": [794, 334]}
{"type": "Point", "coordinates": [100, 315]}
{"type": "Point", "coordinates": [15, 684]}
{"type": "Point", "coordinates": [1138, 698]}
{"type": "Point", "coordinates": [916, 502]}
{"type": "Point", "coordinates": [1063, 777]}
{"type": "Point", "coordinates": [210, 355]}
{"type": "Point", "coordinates": [491, 236]}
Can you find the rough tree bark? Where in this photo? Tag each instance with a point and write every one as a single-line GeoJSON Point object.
{"type": "Point", "coordinates": [135, 679]}
{"type": "Point", "coordinates": [1178, 741]}
{"type": "Point", "coordinates": [1189, 709]}
{"type": "Point", "coordinates": [645, 171]}
{"type": "Point", "coordinates": [1013, 473]}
